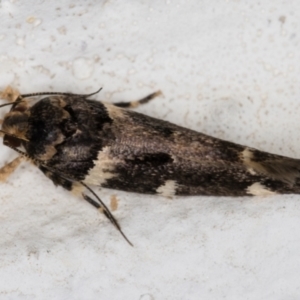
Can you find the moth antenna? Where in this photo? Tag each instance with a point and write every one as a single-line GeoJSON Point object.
{"type": "Point", "coordinates": [24, 154]}
{"type": "Point", "coordinates": [91, 94]}
{"type": "Point", "coordinates": [102, 205]}
{"type": "Point", "coordinates": [11, 103]}
{"type": "Point", "coordinates": [58, 93]}
{"type": "Point", "coordinates": [106, 211]}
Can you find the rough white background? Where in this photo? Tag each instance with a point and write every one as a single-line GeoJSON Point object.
{"type": "Point", "coordinates": [227, 68]}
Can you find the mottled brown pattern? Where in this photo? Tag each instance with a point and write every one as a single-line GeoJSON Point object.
{"type": "Point", "coordinates": [200, 164]}
{"type": "Point", "coordinates": [84, 140]}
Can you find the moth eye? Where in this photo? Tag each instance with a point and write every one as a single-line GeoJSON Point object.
{"type": "Point", "coordinates": [20, 108]}
{"type": "Point", "coordinates": [11, 141]}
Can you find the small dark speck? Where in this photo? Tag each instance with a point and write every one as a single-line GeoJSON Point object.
{"type": "Point", "coordinates": [293, 35]}
{"type": "Point", "coordinates": [282, 19]}
{"type": "Point", "coordinates": [83, 46]}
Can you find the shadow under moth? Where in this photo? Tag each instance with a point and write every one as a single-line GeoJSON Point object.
{"type": "Point", "coordinates": [78, 142]}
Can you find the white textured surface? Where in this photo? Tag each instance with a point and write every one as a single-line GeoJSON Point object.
{"type": "Point", "coordinates": [227, 68]}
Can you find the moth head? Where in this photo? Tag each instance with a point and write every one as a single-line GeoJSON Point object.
{"type": "Point", "coordinates": [15, 124]}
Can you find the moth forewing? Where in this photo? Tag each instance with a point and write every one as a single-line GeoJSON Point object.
{"type": "Point", "coordinates": [76, 141]}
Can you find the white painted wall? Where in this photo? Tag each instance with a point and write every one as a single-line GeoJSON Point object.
{"type": "Point", "coordinates": [226, 68]}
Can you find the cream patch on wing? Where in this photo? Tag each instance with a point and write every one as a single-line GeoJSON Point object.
{"type": "Point", "coordinates": [257, 189]}
{"type": "Point", "coordinates": [114, 112]}
{"type": "Point", "coordinates": [252, 166]}
{"type": "Point", "coordinates": [168, 189]}
{"type": "Point", "coordinates": [103, 169]}
{"type": "Point", "coordinates": [275, 166]}
{"type": "Point", "coordinates": [251, 171]}
{"type": "Point", "coordinates": [247, 156]}
{"type": "Point", "coordinates": [77, 189]}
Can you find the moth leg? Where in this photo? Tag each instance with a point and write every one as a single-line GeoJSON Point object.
{"type": "Point", "coordinates": [9, 94]}
{"type": "Point", "coordinates": [134, 104]}
{"type": "Point", "coordinates": [9, 168]}
{"type": "Point", "coordinates": [91, 201]}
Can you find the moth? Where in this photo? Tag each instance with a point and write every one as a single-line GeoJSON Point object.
{"type": "Point", "coordinates": [78, 143]}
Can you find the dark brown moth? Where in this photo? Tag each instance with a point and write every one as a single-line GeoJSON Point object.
{"type": "Point", "coordinates": [78, 142]}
